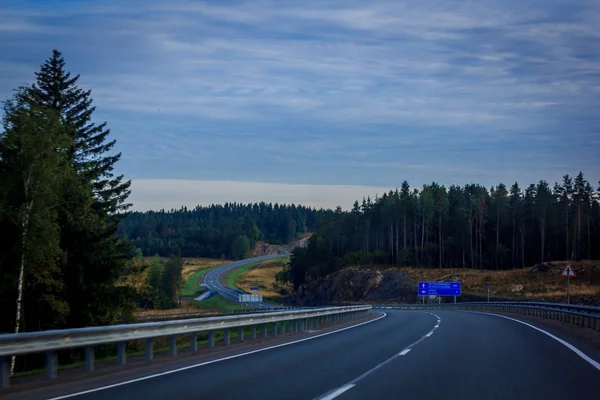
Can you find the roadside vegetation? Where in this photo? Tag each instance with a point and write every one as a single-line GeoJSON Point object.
{"type": "Point", "coordinates": [469, 227]}
{"type": "Point", "coordinates": [61, 204]}
{"type": "Point", "coordinates": [194, 270]}
{"type": "Point", "coordinates": [228, 231]}
{"type": "Point", "coordinates": [266, 277]}
{"type": "Point", "coordinates": [232, 276]}
{"type": "Point", "coordinates": [529, 283]}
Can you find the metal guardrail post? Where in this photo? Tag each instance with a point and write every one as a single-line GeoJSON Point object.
{"type": "Point", "coordinates": [51, 365]}
{"type": "Point", "coordinates": [265, 330]}
{"type": "Point", "coordinates": [254, 332]}
{"type": "Point", "coordinates": [241, 334]}
{"type": "Point", "coordinates": [121, 353]}
{"type": "Point", "coordinates": [149, 349]}
{"type": "Point", "coordinates": [211, 339]}
{"type": "Point", "coordinates": [4, 372]}
{"type": "Point", "coordinates": [274, 328]}
{"type": "Point", "coordinates": [90, 362]}
{"type": "Point", "coordinates": [172, 345]}
{"type": "Point", "coordinates": [226, 338]}
{"type": "Point", "coordinates": [194, 342]}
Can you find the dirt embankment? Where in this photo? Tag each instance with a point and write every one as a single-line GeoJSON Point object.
{"type": "Point", "coordinates": [266, 249]}
{"type": "Point", "coordinates": [352, 285]}
{"type": "Point", "coordinates": [542, 282]}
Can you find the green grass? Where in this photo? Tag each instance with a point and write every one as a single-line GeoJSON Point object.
{"type": "Point", "coordinates": [217, 302]}
{"type": "Point", "coordinates": [192, 285]}
{"type": "Point", "coordinates": [233, 275]}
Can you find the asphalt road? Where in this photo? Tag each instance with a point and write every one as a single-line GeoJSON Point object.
{"type": "Point", "coordinates": [401, 356]}
{"type": "Point", "coordinates": [212, 280]}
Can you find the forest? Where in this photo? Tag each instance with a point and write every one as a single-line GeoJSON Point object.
{"type": "Point", "coordinates": [61, 204]}
{"type": "Point", "coordinates": [457, 227]}
{"type": "Point", "coordinates": [217, 231]}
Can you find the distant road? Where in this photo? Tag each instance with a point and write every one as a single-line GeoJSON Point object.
{"type": "Point", "coordinates": [212, 279]}
{"type": "Point", "coordinates": [401, 356]}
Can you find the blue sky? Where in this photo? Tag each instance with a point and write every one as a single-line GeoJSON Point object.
{"type": "Point", "coordinates": [362, 94]}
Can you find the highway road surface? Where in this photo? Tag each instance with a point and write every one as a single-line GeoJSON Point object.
{"type": "Point", "coordinates": [212, 280]}
{"type": "Point", "coordinates": [403, 355]}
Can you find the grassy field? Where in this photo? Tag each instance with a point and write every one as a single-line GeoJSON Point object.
{"type": "Point", "coordinates": [217, 303]}
{"type": "Point", "coordinates": [193, 273]}
{"type": "Point", "coordinates": [231, 277]}
{"type": "Point", "coordinates": [519, 283]}
{"type": "Point", "coordinates": [263, 277]}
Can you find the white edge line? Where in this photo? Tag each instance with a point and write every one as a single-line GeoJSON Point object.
{"type": "Point", "coordinates": [574, 349]}
{"type": "Point", "coordinates": [367, 373]}
{"type": "Point", "coordinates": [405, 352]}
{"type": "Point", "coordinates": [210, 362]}
{"type": "Point", "coordinates": [337, 392]}
{"type": "Point", "coordinates": [429, 334]}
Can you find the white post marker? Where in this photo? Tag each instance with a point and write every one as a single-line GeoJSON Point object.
{"type": "Point", "coordinates": [569, 272]}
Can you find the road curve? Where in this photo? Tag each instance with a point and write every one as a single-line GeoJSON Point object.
{"type": "Point", "coordinates": [212, 279]}
{"type": "Point", "coordinates": [405, 355]}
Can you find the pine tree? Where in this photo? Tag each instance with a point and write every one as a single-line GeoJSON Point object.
{"type": "Point", "coordinates": [579, 202]}
{"type": "Point", "coordinates": [90, 152]}
{"type": "Point", "coordinates": [516, 216]}
{"type": "Point", "coordinates": [32, 175]}
{"type": "Point", "coordinates": [543, 200]}
{"type": "Point", "coordinates": [564, 193]}
{"type": "Point", "coordinates": [500, 199]}
{"type": "Point", "coordinates": [96, 257]}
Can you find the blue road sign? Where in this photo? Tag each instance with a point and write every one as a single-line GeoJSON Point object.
{"type": "Point", "coordinates": [488, 286]}
{"type": "Point", "coordinates": [439, 288]}
{"type": "Point", "coordinates": [254, 288]}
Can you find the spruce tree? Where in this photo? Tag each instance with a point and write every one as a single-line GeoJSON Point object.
{"type": "Point", "coordinates": [91, 149]}
{"type": "Point", "coordinates": [96, 257]}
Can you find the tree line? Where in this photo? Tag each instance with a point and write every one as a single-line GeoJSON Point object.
{"type": "Point", "coordinates": [60, 208]}
{"type": "Point", "coordinates": [218, 231]}
{"type": "Point", "coordinates": [157, 283]}
{"type": "Point", "coordinates": [459, 227]}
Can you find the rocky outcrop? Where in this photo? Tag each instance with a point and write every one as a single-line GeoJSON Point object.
{"type": "Point", "coordinates": [355, 285]}
{"type": "Point", "coordinates": [266, 249]}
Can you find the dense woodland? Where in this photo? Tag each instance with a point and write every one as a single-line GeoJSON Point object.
{"type": "Point", "coordinates": [228, 230]}
{"type": "Point", "coordinates": [60, 208]}
{"type": "Point", "coordinates": [465, 227]}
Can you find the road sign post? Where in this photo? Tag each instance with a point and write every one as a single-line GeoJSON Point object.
{"type": "Point", "coordinates": [438, 289]}
{"type": "Point", "coordinates": [249, 298]}
{"type": "Point", "coordinates": [569, 273]}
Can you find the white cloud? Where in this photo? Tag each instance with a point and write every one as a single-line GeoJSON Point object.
{"type": "Point", "coordinates": [156, 194]}
{"type": "Point", "coordinates": [384, 82]}
{"type": "Point", "coordinates": [407, 68]}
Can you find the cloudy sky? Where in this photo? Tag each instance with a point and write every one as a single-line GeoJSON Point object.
{"type": "Point", "coordinates": [323, 101]}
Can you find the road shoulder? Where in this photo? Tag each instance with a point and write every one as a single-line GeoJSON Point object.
{"type": "Point", "coordinates": [78, 380]}
{"type": "Point", "coordinates": [585, 339]}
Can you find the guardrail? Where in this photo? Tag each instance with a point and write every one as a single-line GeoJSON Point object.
{"type": "Point", "coordinates": [585, 316]}
{"type": "Point", "coordinates": [50, 342]}
{"type": "Point", "coordinates": [207, 313]}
